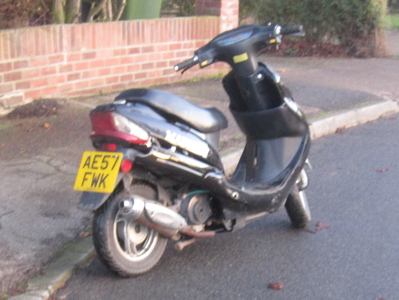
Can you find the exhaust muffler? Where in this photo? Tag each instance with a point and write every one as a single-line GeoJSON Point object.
{"type": "Point", "coordinates": [153, 215]}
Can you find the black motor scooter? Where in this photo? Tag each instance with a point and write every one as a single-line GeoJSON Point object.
{"type": "Point", "coordinates": [157, 176]}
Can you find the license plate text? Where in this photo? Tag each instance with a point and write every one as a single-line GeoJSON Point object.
{"type": "Point", "coordinates": [98, 171]}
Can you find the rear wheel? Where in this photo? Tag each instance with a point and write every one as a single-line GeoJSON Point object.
{"type": "Point", "coordinates": [124, 246]}
{"type": "Point", "coordinates": [298, 208]}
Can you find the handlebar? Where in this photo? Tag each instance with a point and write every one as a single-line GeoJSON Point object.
{"type": "Point", "coordinates": [187, 64]}
{"type": "Point", "coordinates": [292, 30]}
{"type": "Point", "coordinates": [259, 35]}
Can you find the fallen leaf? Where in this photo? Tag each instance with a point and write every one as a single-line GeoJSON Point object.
{"type": "Point", "coordinates": [277, 286]}
{"type": "Point", "coordinates": [382, 170]}
{"type": "Point", "coordinates": [321, 226]}
{"type": "Point", "coordinates": [84, 234]}
{"type": "Point", "coordinates": [340, 130]}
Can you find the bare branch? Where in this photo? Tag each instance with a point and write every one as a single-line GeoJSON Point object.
{"type": "Point", "coordinates": [95, 9]}
{"type": "Point", "coordinates": [118, 13]}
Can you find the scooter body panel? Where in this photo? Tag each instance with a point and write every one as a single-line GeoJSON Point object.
{"type": "Point", "coordinates": [174, 136]}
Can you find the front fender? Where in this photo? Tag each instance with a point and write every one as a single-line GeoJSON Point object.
{"type": "Point", "coordinates": [91, 201]}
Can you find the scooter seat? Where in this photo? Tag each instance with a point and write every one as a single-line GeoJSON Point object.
{"type": "Point", "coordinates": [177, 109]}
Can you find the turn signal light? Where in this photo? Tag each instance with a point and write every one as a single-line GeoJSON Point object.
{"type": "Point", "coordinates": [126, 165]}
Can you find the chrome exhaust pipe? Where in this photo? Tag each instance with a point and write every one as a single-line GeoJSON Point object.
{"type": "Point", "coordinates": [153, 215]}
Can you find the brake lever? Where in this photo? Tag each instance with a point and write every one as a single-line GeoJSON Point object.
{"type": "Point", "coordinates": [185, 65]}
{"type": "Point", "coordinates": [185, 69]}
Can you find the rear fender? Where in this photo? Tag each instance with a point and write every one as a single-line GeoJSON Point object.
{"type": "Point", "coordinates": [90, 201]}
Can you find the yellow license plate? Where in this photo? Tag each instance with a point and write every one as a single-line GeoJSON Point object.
{"type": "Point", "coordinates": [98, 171]}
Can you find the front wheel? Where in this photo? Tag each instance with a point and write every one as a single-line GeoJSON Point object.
{"type": "Point", "coordinates": [298, 208]}
{"type": "Point", "coordinates": [124, 246]}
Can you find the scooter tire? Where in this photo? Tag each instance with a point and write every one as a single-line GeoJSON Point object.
{"type": "Point", "coordinates": [112, 236]}
{"type": "Point", "coordinates": [298, 208]}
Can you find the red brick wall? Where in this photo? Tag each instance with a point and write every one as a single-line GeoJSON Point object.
{"type": "Point", "coordinates": [229, 15]}
{"type": "Point", "coordinates": [228, 10]}
{"type": "Point", "coordinates": [85, 59]}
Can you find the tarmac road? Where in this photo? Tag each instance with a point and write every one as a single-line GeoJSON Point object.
{"type": "Point", "coordinates": [350, 250]}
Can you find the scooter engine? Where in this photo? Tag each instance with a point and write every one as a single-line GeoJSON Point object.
{"type": "Point", "coordinates": [196, 208]}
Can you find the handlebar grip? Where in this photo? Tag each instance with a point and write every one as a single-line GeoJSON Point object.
{"type": "Point", "coordinates": [187, 64]}
{"type": "Point", "coordinates": [292, 30]}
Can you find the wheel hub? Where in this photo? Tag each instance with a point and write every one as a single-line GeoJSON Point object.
{"type": "Point", "coordinates": [137, 233]}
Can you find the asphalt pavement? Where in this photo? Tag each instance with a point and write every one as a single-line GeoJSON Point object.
{"type": "Point", "coordinates": [43, 236]}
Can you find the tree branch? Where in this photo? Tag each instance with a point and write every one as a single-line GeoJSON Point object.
{"type": "Point", "coordinates": [95, 9]}
{"type": "Point", "coordinates": [118, 14]}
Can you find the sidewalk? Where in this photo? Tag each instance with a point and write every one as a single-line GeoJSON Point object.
{"type": "Point", "coordinates": [38, 162]}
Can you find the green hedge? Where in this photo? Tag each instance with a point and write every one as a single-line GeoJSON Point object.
{"type": "Point", "coordinates": [393, 5]}
{"type": "Point", "coordinates": [345, 21]}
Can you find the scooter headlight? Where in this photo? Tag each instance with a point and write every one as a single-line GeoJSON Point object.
{"type": "Point", "coordinates": [123, 124]}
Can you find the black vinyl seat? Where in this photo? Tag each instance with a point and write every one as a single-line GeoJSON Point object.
{"type": "Point", "coordinates": [177, 109]}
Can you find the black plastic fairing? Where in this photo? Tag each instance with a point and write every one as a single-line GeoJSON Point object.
{"type": "Point", "coordinates": [277, 145]}
{"type": "Point", "coordinates": [171, 134]}
{"type": "Point", "coordinates": [259, 194]}
{"type": "Point", "coordinates": [238, 47]}
{"type": "Point", "coordinates": [270, 124]}
{"type": "Point", "coordinates": [258, 105]}
{"type": "Point", "coordinates": [265, 161]}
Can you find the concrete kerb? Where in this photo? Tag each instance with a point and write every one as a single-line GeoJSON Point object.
{"type": "Point", "coordinates": [353, 117]}
{"type": "Point", "coordinates": [41, 287]}
{"type": "Point", "coordinates": [76, 254]}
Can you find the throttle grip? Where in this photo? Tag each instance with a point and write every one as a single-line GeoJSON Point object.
{"type": "Point", "coordinates": [292, 30]}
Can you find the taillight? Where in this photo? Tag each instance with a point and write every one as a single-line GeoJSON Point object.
{"type": "Point", "coordinates": [109, 147]}
{"type": "Point", "coordinates": [111, 124]}
{"type": "Point", "coordinates": [126, 165]}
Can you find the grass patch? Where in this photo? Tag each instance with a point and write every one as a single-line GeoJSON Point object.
{"type": "Point", "coordinates": [393, 21]}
